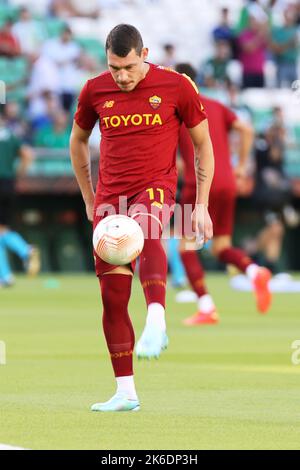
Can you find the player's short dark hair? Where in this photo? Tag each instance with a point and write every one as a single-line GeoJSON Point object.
{"type": "Point", "coordinates": [122, 39]}
{"type": "Point", "coordinates": [188, 69]}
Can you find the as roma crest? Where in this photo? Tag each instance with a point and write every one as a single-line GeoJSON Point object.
{"type": "Point", "coordinates": [155, 101]}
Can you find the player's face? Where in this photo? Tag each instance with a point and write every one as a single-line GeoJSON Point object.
{"type": "Point", "coordinates": [128, 71]}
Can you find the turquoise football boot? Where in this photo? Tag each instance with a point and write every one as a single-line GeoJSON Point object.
{"type": "Point", "coordinates": [119, 402]}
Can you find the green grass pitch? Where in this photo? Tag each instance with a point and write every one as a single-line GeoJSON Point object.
{"type": "Point", "coordinates": [231, 386]}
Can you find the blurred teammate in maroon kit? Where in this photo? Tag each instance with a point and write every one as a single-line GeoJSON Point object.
{"type": "Point", "coordinates": [222, 201]}
{"type": "Point", "coordinates": [140, 108]}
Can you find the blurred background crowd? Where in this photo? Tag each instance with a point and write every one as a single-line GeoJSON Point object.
{"type": "Point", "coordinates": [246, 54]}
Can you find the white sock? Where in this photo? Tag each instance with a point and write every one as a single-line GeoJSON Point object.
{"type": "Point", "coordinates": [156, 316]}
{"type": "Point", "coordinates": [251, 271]}
{"type": "Point", "coordinates": [206, 304]}
{"type": "Point", "coordinates": [126, 385]}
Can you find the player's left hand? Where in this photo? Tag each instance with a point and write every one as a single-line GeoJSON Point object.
{"type": "Point", "coordinates": [201, 224]}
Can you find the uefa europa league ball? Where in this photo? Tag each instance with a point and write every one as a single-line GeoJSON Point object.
{"type": "Point", "coordinates": [118, 239]}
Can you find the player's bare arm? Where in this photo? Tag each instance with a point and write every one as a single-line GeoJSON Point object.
{"type": "Point", "coordinates": [246, 135]}
{"type": "Point", "coordinates": [80, 157]}
{"type": "Point", "coordinates": [204, 170]}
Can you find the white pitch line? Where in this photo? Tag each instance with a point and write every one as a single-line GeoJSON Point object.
{"type": "Point", "coordinates": [8, 447]}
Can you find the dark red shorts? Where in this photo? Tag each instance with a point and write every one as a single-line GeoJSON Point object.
{"type": "Point", "coordinates": [151, 208]}
{"type": "Point", "coordinates": [221, 208]}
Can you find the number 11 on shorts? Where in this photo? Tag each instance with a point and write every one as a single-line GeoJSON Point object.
{"type": "Point", "coordinates": [161, 196]}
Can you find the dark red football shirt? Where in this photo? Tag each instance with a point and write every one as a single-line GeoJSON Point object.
{"type": "Point", "coordinates": [139, 129]}
{"type": "Point", "coordinates": [220, 120]}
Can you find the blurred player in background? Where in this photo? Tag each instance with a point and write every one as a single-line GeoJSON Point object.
{"type": "Point", "coordinates": [221, 206]}
{"type": "Point", "coordinates": [10, 149]}
{"type": "Point", "coordinates": [140, 108]}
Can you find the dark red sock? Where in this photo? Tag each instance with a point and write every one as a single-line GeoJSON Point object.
{"type": "Point", "coordinates": [153, 272]}
{"type": "Point", "coordinates": [235, 256]}
{"type": "Point", "coordinates": [118, 330]}
{"type": "Point", "coordinates": [194, 271]}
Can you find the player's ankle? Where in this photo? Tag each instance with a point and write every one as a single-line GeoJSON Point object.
{"type": "Point", "coordinates": [206, 304]}
{"type": "Point", "coordinates": [126, 386]}
{"type": "Point", "coordinates": [156, 316]}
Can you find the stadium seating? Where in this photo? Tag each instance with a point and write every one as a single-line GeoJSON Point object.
{"type": "Point", "coordinates": [51, 163]}
{"type": "Point", "coordinates": [14, 73]}
{"type": "Point", "coordinates": [93, 47]}
{"type": "Point", "coordinates": [7, 11]}
{"type": "Point", "coordinates": [38, 6]}
{"type": "Point", "coordinates": [54, 26]}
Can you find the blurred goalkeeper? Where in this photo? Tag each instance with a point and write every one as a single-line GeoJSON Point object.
{"type": "Point", "coordinates": [140, 108]}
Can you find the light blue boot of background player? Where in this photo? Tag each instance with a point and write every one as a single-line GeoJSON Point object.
{"type": "Point", "coordinates": [152, 342]}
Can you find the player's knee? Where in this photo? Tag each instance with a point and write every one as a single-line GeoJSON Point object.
{"type": "Point", "coordinates": [120, 270]}
{"type": "Point", "coordinates": [115, 291]}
